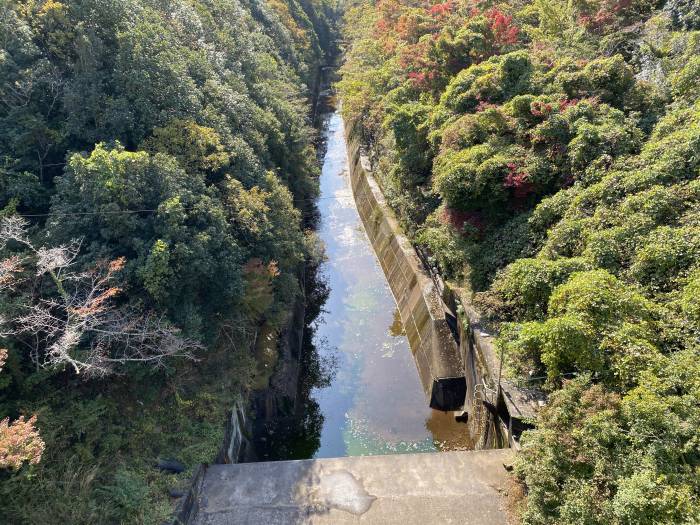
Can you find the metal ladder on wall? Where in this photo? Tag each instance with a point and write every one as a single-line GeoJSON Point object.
{"type": "Point", "coordinates": [482, 394]}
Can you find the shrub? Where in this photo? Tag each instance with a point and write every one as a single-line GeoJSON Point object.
{"type": "Point", "coordinates": [521, 345]}
{"type": "Point", "coordinates": [685, 14]}
{"type": "Point", "coordinates": [472, 179]}
{"type": "Point", "coordinates": [598, 457]}
{"type": "Point", "coordinates": [496, 80]}
{"type": "Point", "coordinates": [611, 248]}
{"type": "Point", "coordinates": [550, 210]}
{"type": "Point", "coordinates": [690, 298]}
{"type": "Point", "coordinates": [126, 496]}
{"type": "Point", "coordinates": [664, 256]}
{"type": "Point", "coordinates": [607, 132]}
{"type": "Point", "coordinates": [497, 247]}
{"type": "Point", "coordinates": [594, 323]}
{"type": "Point", "coordinates": [408, 123]}
{"type": "Point", "coordinates": [568, 345]}
{"type": "Point", "coordinates": [632, 349]}
{"type": "Point", "coordinates": [447, 247]}
{"type": "Point", "coordinates": [686, 83]}
{"type": "Point", "coordinates": [475, 128]}
{"type": "Point", "coordinates": [470, 86]}
{"type": "Point", "coordinates": [526, 285]}
{"type": "Point", "coordinates": [607, 78]}
{"type": "Point", "coordinates": [660, 204]}
{"type": "Point", "coordinates": [600, 299]}
{"type": "Point", "coordinates": [553, 132]}
{"type": "Point", "coordinates": [565, 239]}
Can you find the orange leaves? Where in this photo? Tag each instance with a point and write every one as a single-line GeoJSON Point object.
{"type": "Point", "coordinates": [115, 266]}
{"type": "Point", "coordinates": [299, 34]}
{"type": "Point", "coordinates": [8, 269]}
{"type": "Point", "coordinates": [96, 303]}
{"type": "Point", "coordinates": [104, 271]}
{"type": "Point", "coordinates": [19, 442]}
{"type": "Point", "coordinates": [442, 10]}
{"type": "Point", "coordinates": [607, 16]}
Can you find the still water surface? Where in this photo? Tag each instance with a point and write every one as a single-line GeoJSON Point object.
{"type": "Point", "coordinates": [374, 404]}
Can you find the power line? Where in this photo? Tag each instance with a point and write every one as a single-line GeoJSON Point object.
{"type": "Point", "coordinates": [150, 210]}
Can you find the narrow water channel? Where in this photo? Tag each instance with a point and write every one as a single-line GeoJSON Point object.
{"type": "Point", "coordinates": [374, 403]}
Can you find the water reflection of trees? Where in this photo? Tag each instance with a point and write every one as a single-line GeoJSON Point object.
{"type": "Point", "coordinates": [299, 435]}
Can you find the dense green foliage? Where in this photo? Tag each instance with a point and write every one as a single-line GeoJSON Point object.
{"type": "Point", "coordinates": [547, 155]}
{"type": "Point", "coordinates": [175, 138]}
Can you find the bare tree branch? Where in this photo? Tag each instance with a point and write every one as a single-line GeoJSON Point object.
{"type": "Point", "coordinates": [80, 327]}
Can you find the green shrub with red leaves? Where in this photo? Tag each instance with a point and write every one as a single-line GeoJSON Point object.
{"type": "Point", "coordinates": [547, 155]}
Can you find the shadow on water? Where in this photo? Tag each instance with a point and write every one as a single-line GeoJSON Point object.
{"type": "Point", "coordinates": [298, 436]}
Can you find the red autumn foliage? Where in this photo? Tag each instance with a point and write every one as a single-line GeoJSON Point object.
{"type": "Point", "coordinates": [518, 180]}
{"type": "Point", "coordinates": [417, 77]}
{"type": "Point", "coordinates": [541, 109]}
{"type": "Point", "coordinates": [422, 80]}
{"type": "Point", "coordinates": [545, 109]}
{"type": "Point", "coordinates": [504, 31]}
{"type": "Point", "coordinates": [381, 25]}
{"type": "Point", "coordinates": [422, 71]}
{"type": "Point", "coordinates": [567, 103]}
{"type": "Point", "coordinates": [606, 16]}
{"type": "Point", "coordinates": [441, 10]}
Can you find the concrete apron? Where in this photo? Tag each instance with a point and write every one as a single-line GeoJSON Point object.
{"type": "Point", "coordinates": [422, 489]}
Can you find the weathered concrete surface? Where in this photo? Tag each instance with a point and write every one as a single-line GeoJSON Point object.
{"type": "Point", "coordinates": [423, 312]}
{"type": "Point", "coordinates": [439, 488]}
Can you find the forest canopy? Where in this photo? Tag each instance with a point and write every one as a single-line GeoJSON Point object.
{"type": "Point", "coordinates": [157, 162]}
{"type": "Point", "coordinates": [546, 155]}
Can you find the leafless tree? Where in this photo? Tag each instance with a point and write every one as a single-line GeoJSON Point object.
{"type": "Point", "coordinates": [79, 325]}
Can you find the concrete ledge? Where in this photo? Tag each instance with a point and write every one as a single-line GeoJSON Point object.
{"type": "Point", "coordinates": [448, 487]}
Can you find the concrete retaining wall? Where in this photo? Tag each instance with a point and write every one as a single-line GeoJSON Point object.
{"type": "Point", "coordinates": [454, 353]}
{"type": "Point", "coordinates": [423, 312]}
{"type": "Point", "coordinates": [234, 449]}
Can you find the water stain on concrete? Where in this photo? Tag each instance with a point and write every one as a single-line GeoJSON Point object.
{"type": "Point", "coordinates": [341, 490]}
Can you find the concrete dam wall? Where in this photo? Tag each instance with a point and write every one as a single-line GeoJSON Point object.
{"type": "Point", "coordinates": [423, 312]}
